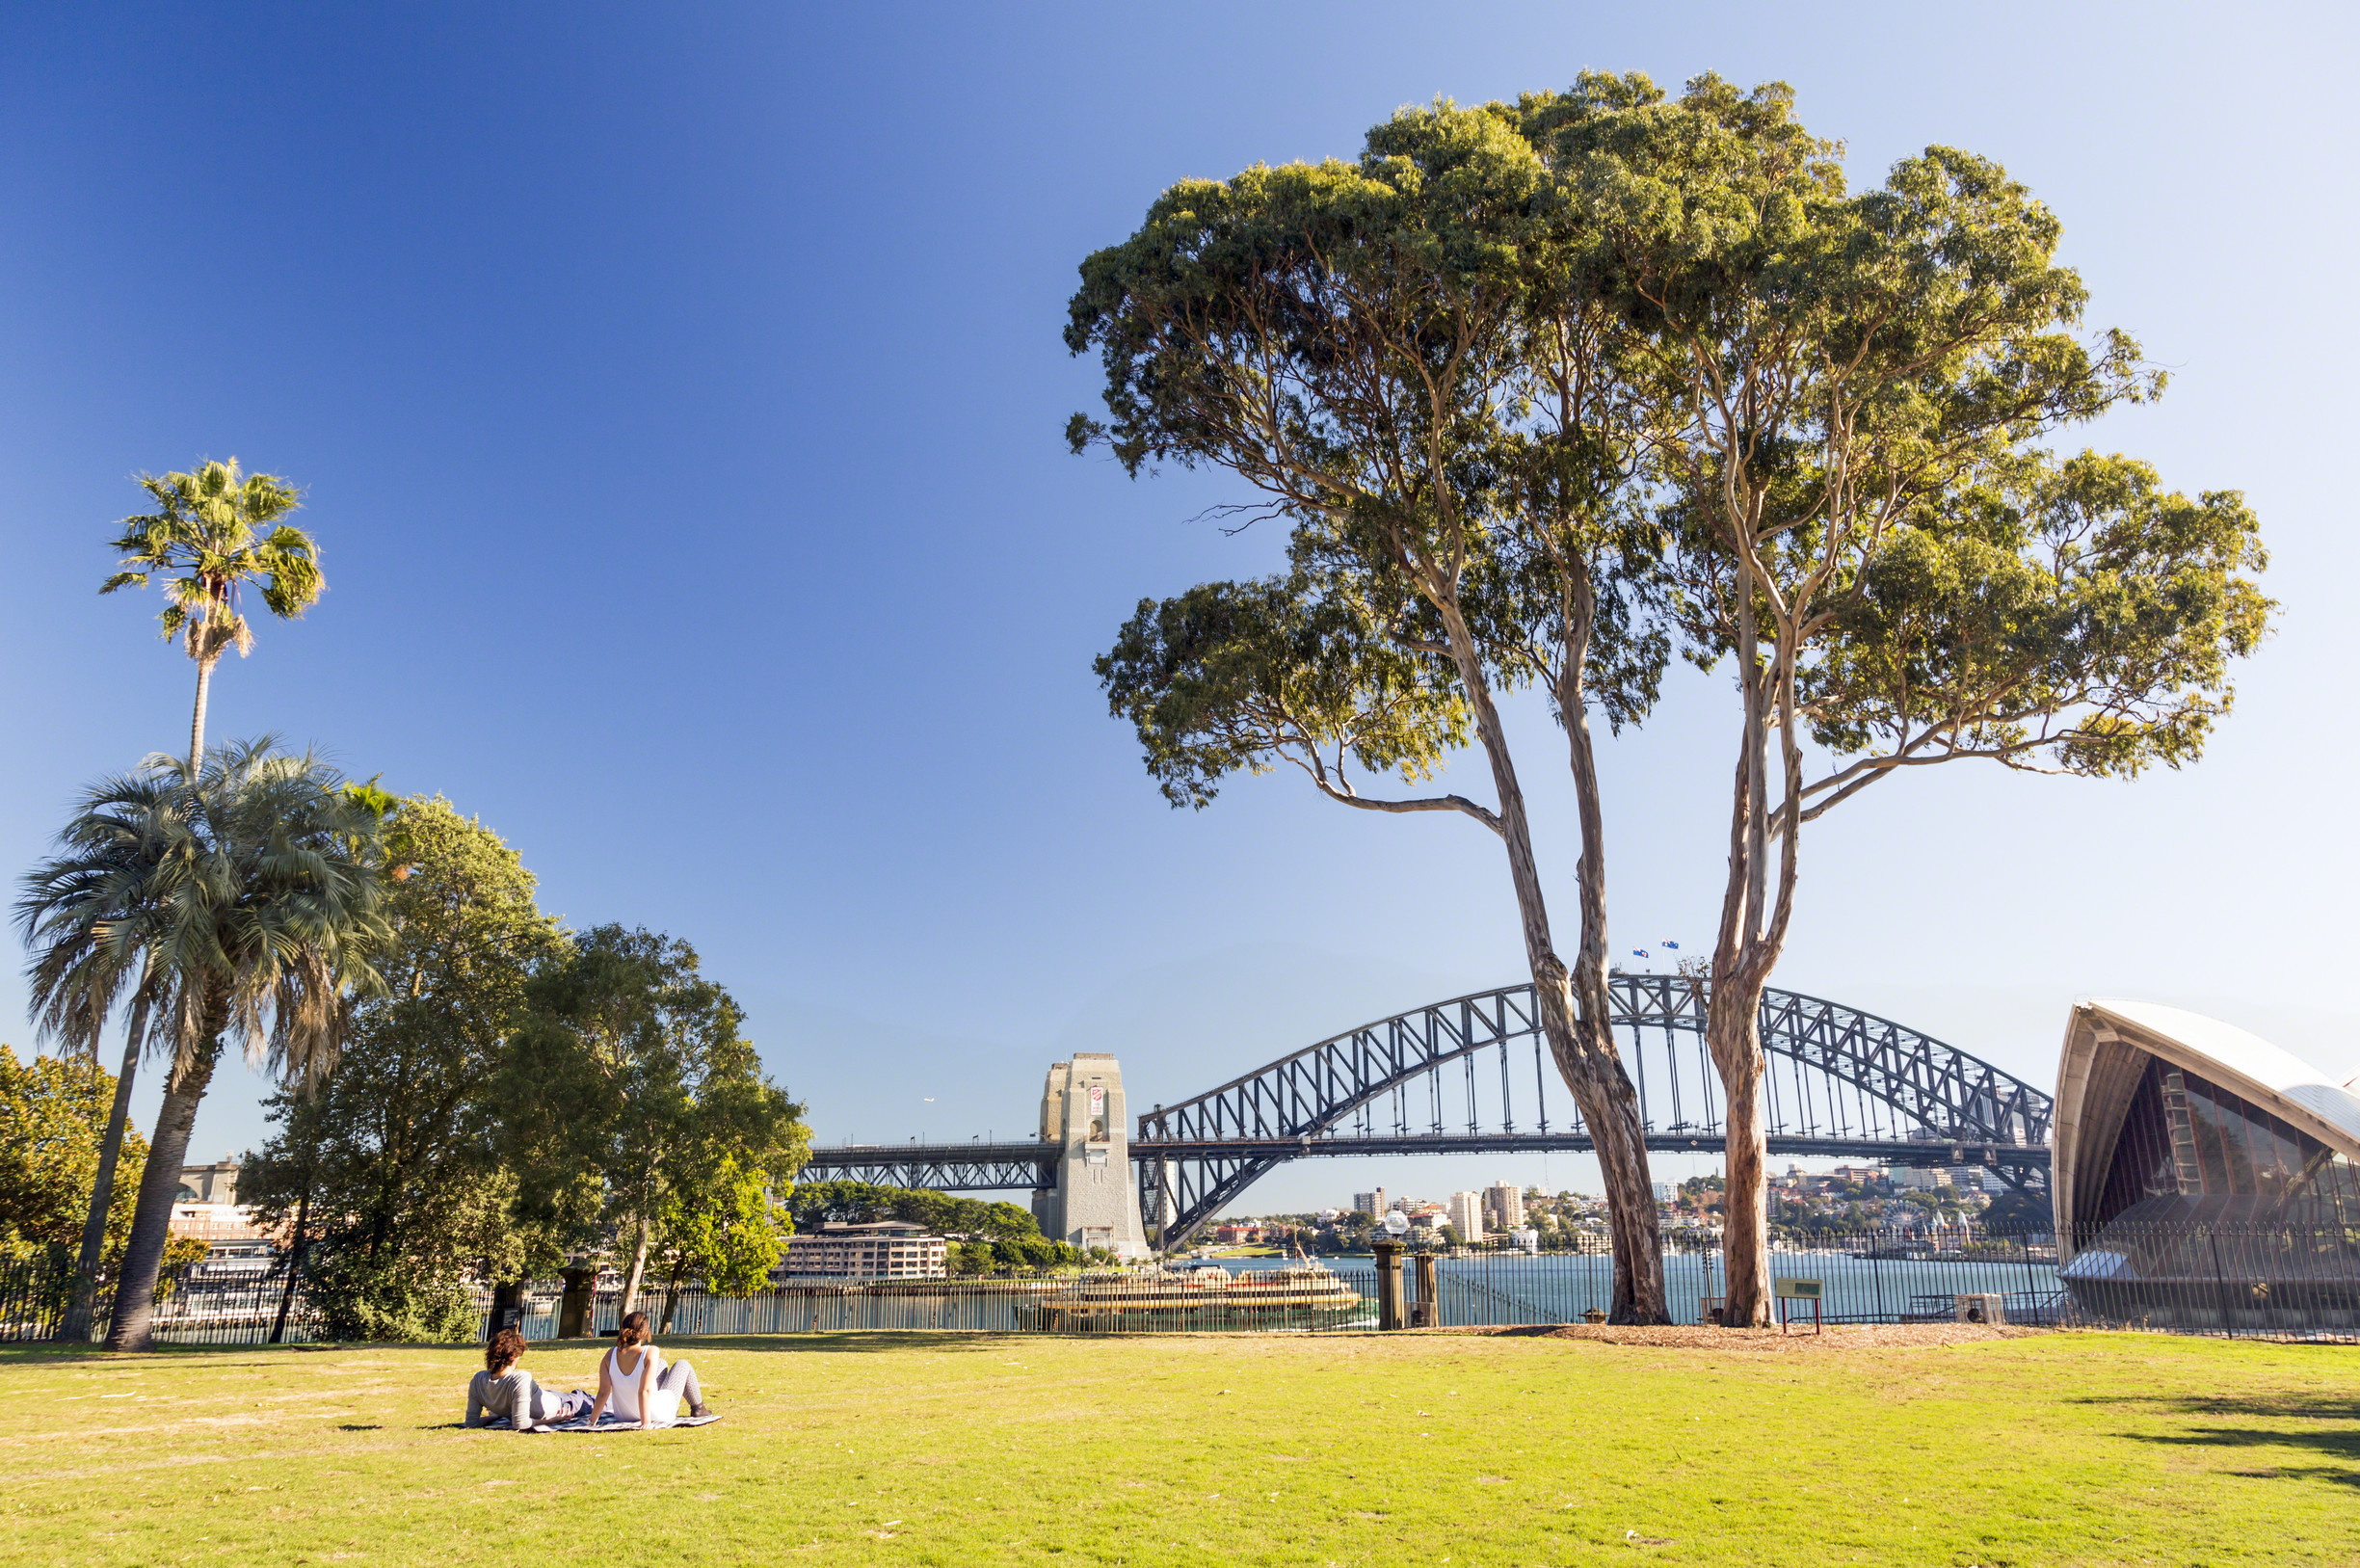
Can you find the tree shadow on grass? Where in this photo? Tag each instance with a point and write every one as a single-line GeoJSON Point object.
{"type": "Point", "coordinates": [2325, 1425]}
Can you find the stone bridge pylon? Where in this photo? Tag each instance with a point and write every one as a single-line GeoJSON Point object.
{"type": "Point", "coordinates": [1095, 1202]}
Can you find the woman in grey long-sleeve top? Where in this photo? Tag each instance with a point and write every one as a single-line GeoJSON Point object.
{"type": "Point", "coordinates": [504, 1388]}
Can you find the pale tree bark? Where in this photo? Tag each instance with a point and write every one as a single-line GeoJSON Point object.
{"type": "Point", "coordinates": [197, 717]}
{"type": "Point", "coordinates": [75, 1328]}
{"type": "Point", "coordinates": [1573, 1024]}
{"type": "Point", "coordinates": [1753, 933]}
{"type": "Point", "coordinates": [1594, 1070]}
{"type": "Point", "coordinates": [135, 1291]}
{"type": "Point", "coordinates": [639, 1270]}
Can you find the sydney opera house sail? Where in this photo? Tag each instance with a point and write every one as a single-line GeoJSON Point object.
{"type": "Point", "coordinates": [2203, 1177]}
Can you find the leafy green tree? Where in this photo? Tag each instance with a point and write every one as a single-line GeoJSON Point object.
{"type": "Point", "coordinates": [721, 1225]}
{"type": "Point", "coordinates": [1409, 361]}
{"type": "Point", "coordinates": [1861, 524]}
{"type": "Point", "coordinates": [240, 898]}
{"type": "Point", "coordinates": [627, 1081]}
{"type": "Point", "coordinates": [215, 533]}
{"type": "Point", "coordinates": [52, 1119]}
{"type": "Point", "coordinates": [815, 1204]}
{"type": "Point", "coordinates": [397, 1181]}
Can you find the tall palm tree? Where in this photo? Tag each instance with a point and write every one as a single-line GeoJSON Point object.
{"type": "Point", "coordinates": [208, 527]}
{"type": "Point", "coordinates": [209, 530]}
{"type": "Point", "coordinates": [241, 899]}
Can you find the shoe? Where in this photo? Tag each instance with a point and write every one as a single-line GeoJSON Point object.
{"type": "Point", "coordinates": [700, 1410]}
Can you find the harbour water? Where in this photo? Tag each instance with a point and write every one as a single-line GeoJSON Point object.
{"type": "Point", "coordinates": [1559, 1288]}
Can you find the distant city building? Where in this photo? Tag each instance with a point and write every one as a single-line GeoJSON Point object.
{"type": "Point", "coordinates": [208, 1183]}
{"type": "Point", "coordinates": [1369, 1203]}
{"type": "Point", "coordinates": [1668, 1192]}
{"type": "Point", "coordinates": [205, 1209]}
{"type": "Point", "coordinates": [1921, 1178]}
{"type": "Point", "coordinates": [1467, 1215]}
{"type": "Point", "coordinates": [1503, 1204]}
{"type": "Point", "coordinates": [889, 1250]}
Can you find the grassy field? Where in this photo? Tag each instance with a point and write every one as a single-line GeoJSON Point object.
{"type": "Point", "coordinates": [2059, 1449]}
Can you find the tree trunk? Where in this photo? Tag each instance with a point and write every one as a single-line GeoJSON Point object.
{"type": "Point", "coordinates": [295, 1265]}
{"type": "Point", "coordinates": [1604, 1091]}
{"type": "Point", "coordinates": [1733, 1029]}
{"type": "Point", "coordinates": [197, 719]}
{"type": "Point", "coordinates": [1639, 1294]}
{"type": "Point", "coordinates": [135, 1292]}
{"type": "Point", "coordinates": [639, 1270]}
{"type": "Point", "coordinates": [1618, 1130]}
{"type": "Point", "coordinates": [76, 1329]}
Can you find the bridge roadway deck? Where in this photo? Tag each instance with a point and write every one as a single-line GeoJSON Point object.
{"type": "Point", "coordinates": [994, 1167]}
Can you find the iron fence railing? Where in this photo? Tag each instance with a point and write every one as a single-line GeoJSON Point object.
{"type": "Point", "coordinates": [2241, 1279]}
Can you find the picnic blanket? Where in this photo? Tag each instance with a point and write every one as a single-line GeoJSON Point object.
{"type": "Point", "coordinates": [608, 1423]}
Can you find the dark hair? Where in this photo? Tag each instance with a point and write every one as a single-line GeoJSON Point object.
{"type": "Point", "coordinates": [634, 1331]}
{"type": "Point", "coordinates": [506, 1349]}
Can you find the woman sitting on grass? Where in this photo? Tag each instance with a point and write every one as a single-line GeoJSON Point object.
{"type": "Point", "coordinates": [640, 1386]}
{"type": "Point", "coordinates": [504, 1388]}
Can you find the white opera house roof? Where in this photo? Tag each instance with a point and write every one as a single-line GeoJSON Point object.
{"type": "Point", "coordinates": [2200, 1171]}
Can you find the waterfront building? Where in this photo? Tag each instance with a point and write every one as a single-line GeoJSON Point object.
{"type": "Point", "coordinates": [887, 1250]}
{"type": "Point", "coordinates": [2203, 1175]}
{"type": "Point", "coordinates": [1503, 1204]}
{"type": "Point", "coordinates": [1668, 1192]}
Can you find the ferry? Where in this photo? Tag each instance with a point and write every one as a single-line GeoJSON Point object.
{"type": "Point", "coordinates": [1204, 1295]}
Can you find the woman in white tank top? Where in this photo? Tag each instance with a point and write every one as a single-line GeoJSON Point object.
{"type": "Point", "coordinates": [636, 1382]}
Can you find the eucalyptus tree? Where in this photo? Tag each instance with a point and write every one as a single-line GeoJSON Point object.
{"type": "Point", "coordinates": [214, 533]}
{"type": "Point", "coordinates": [239, 899]}
{"type": "Point", "coordinates": [1863, 525]}
{"type": "Point", "coordinates": [1408, 359]}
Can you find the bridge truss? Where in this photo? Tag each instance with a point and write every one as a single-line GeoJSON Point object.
{"type": "Point", "coordinates": [1452, 1078]}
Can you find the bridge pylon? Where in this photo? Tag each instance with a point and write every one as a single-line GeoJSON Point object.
{"type": "Point", "coordinates": [1095, 1200]}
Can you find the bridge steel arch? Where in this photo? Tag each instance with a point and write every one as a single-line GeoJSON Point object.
{"type": "Point", "coordinates": [1840, 1081]}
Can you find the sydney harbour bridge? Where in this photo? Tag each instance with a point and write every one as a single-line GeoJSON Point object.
{"type": "Point", "coordinates": [1474, 1075]}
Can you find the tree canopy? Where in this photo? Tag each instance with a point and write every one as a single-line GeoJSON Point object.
{"type": "Point", "coordinates": [396, 1177]}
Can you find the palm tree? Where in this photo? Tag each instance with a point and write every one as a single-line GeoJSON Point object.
{"type": "Point", "coordinates": [239, 898]}
{"type": "Point", "coordinates": [208, 528]}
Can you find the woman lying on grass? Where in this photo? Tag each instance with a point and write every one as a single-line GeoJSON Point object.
{"type": "Point", "coordinates": [642, 1389]}
{"type": "Point", "coordinates": [504, 1388]}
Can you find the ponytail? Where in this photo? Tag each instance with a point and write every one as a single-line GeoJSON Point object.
{"type": "Point", "coordinates": [633, 1332]}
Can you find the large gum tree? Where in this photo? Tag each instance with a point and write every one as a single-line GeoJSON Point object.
{"type": "Point", "coordinates": [1863, 526]}
{"type": "Point", "coordinates": [1408, 359]}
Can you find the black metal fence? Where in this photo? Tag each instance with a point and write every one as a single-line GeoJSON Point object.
{"type": "Point", "coordinates": [2247, 1280]}
{"type": "Point", "coordinates": [195, 1304]}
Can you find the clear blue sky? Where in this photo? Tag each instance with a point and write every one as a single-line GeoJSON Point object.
{"type": "Point", "coordinates": [678, 391]}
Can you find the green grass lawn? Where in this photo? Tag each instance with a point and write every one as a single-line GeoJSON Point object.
{"type": "Point", "coordinates": [903, 1449]}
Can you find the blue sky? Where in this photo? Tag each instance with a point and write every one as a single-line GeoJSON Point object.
{"type": "Point", "coordinates": [678, 393]}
